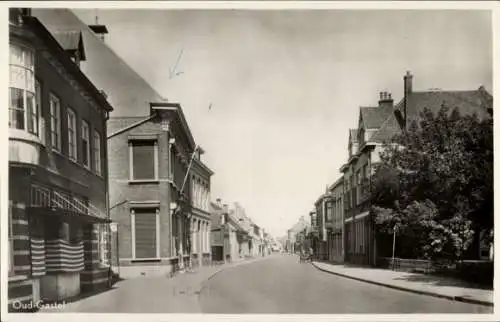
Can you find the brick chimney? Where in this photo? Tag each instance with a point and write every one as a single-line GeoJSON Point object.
{"type": "Point", "coordinates": [385, 100]}
{"type": "Point", "coordinates": [408, 82]}
{"type": "Point", "coordinates": [408, 88]}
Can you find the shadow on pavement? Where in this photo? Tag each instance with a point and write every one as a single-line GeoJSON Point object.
{"type": "Point", "coordinates": [442, 281]}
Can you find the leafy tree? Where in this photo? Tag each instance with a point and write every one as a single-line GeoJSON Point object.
{"type": "Point", "coordinates": [436, 182]}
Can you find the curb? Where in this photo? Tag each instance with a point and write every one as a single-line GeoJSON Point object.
{"type": "Point", "coordinates": [400, 288]}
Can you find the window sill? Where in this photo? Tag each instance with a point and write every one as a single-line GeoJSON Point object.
{"type": "Point", "coordinates": [143, 181]}
{"type": "Point", "coordinates": [146, 260]}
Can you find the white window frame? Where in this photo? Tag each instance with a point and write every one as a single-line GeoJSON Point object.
{"type": "Point", "coordinates": [131, 159]}
{"type": "Point", "coordinates": [158, 242]}
{"type": "Point", "coordinates": [85, 135]}
{"type": "Point", "coordinates": [97, 153]}
{"type": "Point", "coordinates": [55, 122]}
{"type": "Point", "coordinates": [26, 67]}
{"type": "Point", "coordinates": [72, 135]}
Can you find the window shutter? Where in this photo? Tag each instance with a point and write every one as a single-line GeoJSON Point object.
{"type": "Point", "coordinates": [145, 233]}
{"type": "Point", "coordinates": [143, 159]}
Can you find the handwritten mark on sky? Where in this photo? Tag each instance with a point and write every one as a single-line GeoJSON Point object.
{"type": "Point", "coordinates": [173, 70]}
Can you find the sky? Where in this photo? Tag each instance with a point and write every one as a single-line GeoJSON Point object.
{"type": "Point", "coordinates": [285, 86]}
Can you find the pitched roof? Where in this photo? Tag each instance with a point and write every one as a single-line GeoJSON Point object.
{"type": "Point", "coordinates": [467, 102]}
{"type": "Point", "coordinates": [373, 117]}
{"type": "Point", "coordinates": [127, 91]}
{"type": "Point", "coordinates": [45, 36]}
{"type": "Point", "coordinates": [71, 40]}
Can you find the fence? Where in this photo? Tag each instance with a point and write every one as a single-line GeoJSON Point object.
{"type": "Point", "coordinates": [413, 265]}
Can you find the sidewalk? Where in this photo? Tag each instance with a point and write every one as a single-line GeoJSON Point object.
{"type": "Point", "coordinates": [178, 294]}
{"type": "Point", "coordinates": [431, 285]}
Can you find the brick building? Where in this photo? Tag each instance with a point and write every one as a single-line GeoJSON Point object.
{"type": "Point", "coordinates": [376, 126]}
{"type": "Point", "coordinates": [335, 221]}
{"type": "Point", "coordinates": [58, 222]}
{"type": "Point", "coordinates": [151, 148]}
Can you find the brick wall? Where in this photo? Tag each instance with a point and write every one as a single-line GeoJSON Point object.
{"type": "Point", "coordinates": [122, 192]}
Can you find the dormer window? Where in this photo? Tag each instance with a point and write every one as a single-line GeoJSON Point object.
{"type": "Point", "coordinates": [72, 43]}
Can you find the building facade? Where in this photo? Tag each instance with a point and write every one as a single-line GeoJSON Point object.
{"type": "Point", "coordinates": [58, 222]}
{"type": "Point", "coordinates": [376, 126]}
{"type": "Point", "coordinates": [322, 205]}
{"type": "Point", "coordinates": [151, 149]}
{"type": "Point", "coordinates": [224, 228]}
{"type": "Point", "coordinates": [200, 222]}
{"type": "Point", "coordinates": [335, 222]}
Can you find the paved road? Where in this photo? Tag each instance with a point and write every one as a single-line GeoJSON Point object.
{"type": "Point", "coordinates": [282, 285]}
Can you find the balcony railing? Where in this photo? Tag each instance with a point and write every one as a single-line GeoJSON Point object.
{"type": "Point", "coordinates": [41, 197]}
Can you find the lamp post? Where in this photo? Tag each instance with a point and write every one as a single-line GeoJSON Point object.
{"type": "Point", "coordinates": [394, 230]}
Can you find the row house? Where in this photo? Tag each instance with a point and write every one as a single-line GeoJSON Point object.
{"type": "Point", "coordinates": [321, 216]}
{"type": "Point", "coordinates": [224, 231]}
{"type": "Point", "coordinates": [376, 126]}
{"type": "Point", "coordinates": [200, 242]}
{"type": "Point", "coordinates": [57, 217]}
{"type": "Point", "coordinates": [335, 222]}
{"type": "Point", "coordinates": [359, 241]}
{"type": "Point", "coordinates": [151, 152]}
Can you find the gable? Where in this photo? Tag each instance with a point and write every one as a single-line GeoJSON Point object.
{"type": "Point", "coordinates": [127, 92]}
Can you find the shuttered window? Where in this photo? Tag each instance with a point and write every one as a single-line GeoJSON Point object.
{"type": "Point", "coordinates": [143, 163]}
{"type": "Point", "coordinates": [145, 233]}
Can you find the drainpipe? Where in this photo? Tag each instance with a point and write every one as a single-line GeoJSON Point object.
{"type": "Point", "coordinates": [107, 205]}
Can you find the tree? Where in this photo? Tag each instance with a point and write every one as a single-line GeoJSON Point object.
{"type": "Point", "coordinates": [436, 180]}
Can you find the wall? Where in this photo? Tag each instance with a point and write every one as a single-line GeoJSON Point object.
{"type": "Point", "coordinates": [121, 191]}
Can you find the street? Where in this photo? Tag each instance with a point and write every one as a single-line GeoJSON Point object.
{"type": "Point", "coordinates": [273, 285]}
{"type": "Point", "coordinates": [282, 285]}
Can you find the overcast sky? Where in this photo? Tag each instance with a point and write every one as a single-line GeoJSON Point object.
{"type": "Point", "coordinates": [285, 86]}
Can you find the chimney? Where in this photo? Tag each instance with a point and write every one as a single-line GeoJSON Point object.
{"type": "Point", "coordinates": [408, 80]}
{"type": "Point", "coordinates": [98, 29]}
{"type": "Point", "coordinates": [385, 100]}
{"type": "Point", "coordinates": [219, 202]}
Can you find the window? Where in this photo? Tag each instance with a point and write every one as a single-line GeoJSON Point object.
{"type": "Point", "coordinates": [85, 142]}
{"type": "Point", "coordinates": [145, 225]}
{"type": "Point", "coordinates": [143, 160]}
{"type": "Point", "coordinates": [97, 153]}
{"type": "Point", "coordinates": [71, 134]}
{"type": "Point", "coordinates": [38, 111]}
{"type": "Point", "coordinates": [172, 162]}
{"type": "Point", "coordinates": [23, 114]}
{"type": "Point", "coordinates": [329, 210]}
{"type": "Point", "coordinates": [55, 122]}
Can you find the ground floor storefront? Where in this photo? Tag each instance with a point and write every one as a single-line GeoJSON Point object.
{"type": "Point", "coordinates": [58, 247]}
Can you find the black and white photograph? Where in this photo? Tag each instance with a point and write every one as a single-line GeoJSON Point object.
{"type": "Point", "coordinates": [248, 159]}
